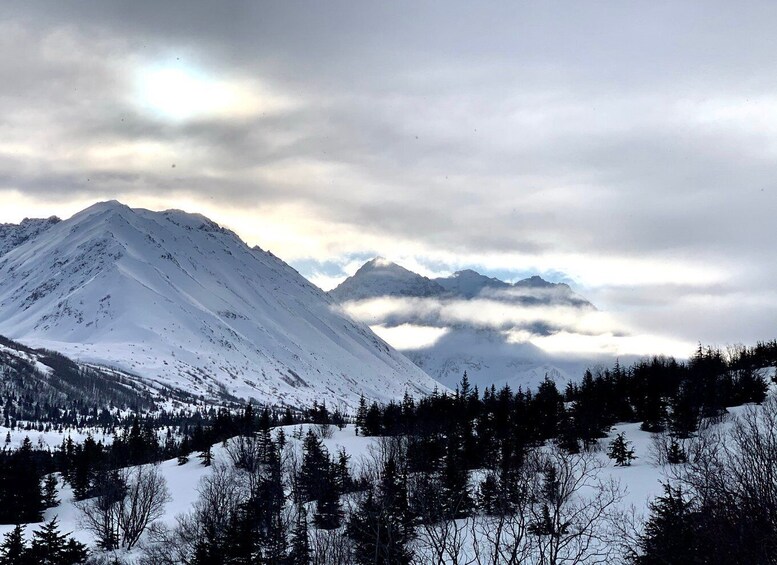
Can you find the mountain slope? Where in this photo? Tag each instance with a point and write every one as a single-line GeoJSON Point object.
{"type": "Point", "coordinates": [13, 235]}
{"type": "Point", "coordinates": [379, 277]}
{"type": "Point", "coordinates": [179, 300]}
{"type": "Point", "coordinates": [394, 300]}
{"type": "Point", "coordinates": [46, 378]}
{"type": "Point", "coordinates": [469, 283]}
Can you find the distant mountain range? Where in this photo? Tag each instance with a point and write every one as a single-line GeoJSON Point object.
{"type": "Point", "coordinates": [381, 278]}
{"type": "Point", "coordinates": [183, 303]}
{"type": "Point", "coordinates": [386, 295]}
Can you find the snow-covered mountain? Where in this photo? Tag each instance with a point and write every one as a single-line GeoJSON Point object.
{"type": "Point", "coordinates": [469, 283]}
{"type": "Point", "coordinates": [379, 277]}
{"type": "Point", "coordinates": [390, 297]}
{"type": "Point", "coordinates": [13, 235]}
{"type": "Point", "coordinates": [183, 302]}
{"type": "Point", "coordinates": [490, 359]}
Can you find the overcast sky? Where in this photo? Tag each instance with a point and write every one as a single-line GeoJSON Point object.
{"type": "Point", "coordinates": [629, 148]}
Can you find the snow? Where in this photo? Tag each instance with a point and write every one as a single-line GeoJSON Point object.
{"type": "Point", "coordinates": [399, 305]}
{"type": "Point", "coordinates": [640, 482]}
{"type": "Point", "coordinates": [379, 277]}
{"type": "Point", "coordinates": [181, 302]}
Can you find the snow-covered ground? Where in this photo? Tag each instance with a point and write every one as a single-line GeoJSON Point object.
{"type": "Point", "coordinates": [641, 481]}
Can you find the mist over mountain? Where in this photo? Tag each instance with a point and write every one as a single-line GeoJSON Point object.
{"type": "Point", "coordinates": [178, 300]}
{"type": "Point", "coordinates": [469, 322]}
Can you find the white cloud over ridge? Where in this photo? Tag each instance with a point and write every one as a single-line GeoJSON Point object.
{"type": "Point", "coordinates": [415, 323]}
{"type": "Point", "coordinates": [636, 156]}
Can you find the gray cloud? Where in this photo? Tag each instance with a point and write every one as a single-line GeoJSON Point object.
{"type": "Point", "coordinates": [477, 134]}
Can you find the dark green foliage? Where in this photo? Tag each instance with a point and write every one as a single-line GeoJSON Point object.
{"type": "Point", "coordinates": [381, 526]}
{"type": "Point", "coordinates": [456, 494]}
{"type": "Point", "coordinates": [675, 454]}
{"type": "Point", "coordinates": [21, 499]}
{"type": "Point", "coordinates": [50, 491]}
{"type": "Point", "coordinates": [299, 552]}
{"type": "Point", "coordinates": [49, 547]}
{"type": "Point", "coordinates": [13, 549]}
{"type": "Point", "coordinates": [670, 535]}
{"type": "Point", "coordinates": [620, 451]}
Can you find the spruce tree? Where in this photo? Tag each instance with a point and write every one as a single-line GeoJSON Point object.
{"type": "Point", "coordinates": [675, 454]}
{"type": "Point", "coordinates": [299, 553]}
{"type": "Point", "coordinates": [457, 498]}
{"type": "Point", "coordinates": [13, 550]}
{"type": "Point", "coordinates": [620, 451]}
{"type": "Point", "coordinates": [669, 537]}
{"type": "Point", "coordinates": [329, 512]}
{"type": "Point", "coordinates": [51, 547]}
{"type": "Point", "coordinates": [361, 416]}
{"type": "Point", "coordinates": [381, 527]}
{"type": "Point", "coordinates": [50, 484]}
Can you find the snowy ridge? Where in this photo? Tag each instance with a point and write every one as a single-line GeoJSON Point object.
{"type": "Point", "coordinates": [489, 359]}
{"type": "Point", "coordinates": [379, 277]}
{"type": "Point", "coordinates": [388, 296]}
{"type": "Point", "coordinates": [12, 235]}
{"type": "Point", "coordinates": [185, 303]}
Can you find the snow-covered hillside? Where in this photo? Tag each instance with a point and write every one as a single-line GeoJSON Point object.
{"type": "Point", "coordinates": [489, 359]}
{"type": "Point", "coordinates": [181, 301]}
{"type": "Point", "coordinates": [379, 277]}
{"type": "Point", "coordinates": [13, 235]}
{"type": "Point", "coordinates": [392, 299]}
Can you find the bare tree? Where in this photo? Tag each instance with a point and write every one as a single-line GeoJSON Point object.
{"type": "Point", "coordinates": [571, 509]}
{"type": "Point", "coordinates": [127, 501]}
{"type": "Point", "coordinates": [330, 547]}
{"type": "Point", "coordinates": [100, 515]}
{"type": "Point", "coordinates": [222, 492]}
{"type": "Point", "coordinates": [732, 476]}
{"type": "Point", "coordinates": [145, 500]}
{"type": "Point", "coordinates": [441, 538]}
{"type": "Point", "coordinates": [500, 535]}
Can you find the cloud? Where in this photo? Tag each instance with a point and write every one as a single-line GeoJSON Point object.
{"type": "Point", "coordinates": [479, 312]}
{"type": "Point", "coordinates": [630, 154]}
{"type": "Point", "coordinates": [408, 337]}
{"type": "Point", "coordinates": [562, 331]}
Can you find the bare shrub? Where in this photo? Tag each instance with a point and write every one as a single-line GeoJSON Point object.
{"type": "Point", "coordinates": [127, 502]}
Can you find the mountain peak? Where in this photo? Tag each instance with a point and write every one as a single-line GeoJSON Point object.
{"type": "Point", "coordinates": [381, 277]}
{"type": "Point", "coordinates": [177, 299]}
{"type": "Point", "coordinates": [13, 235]}
{"type": "Point", "coordinates": [468, 283]}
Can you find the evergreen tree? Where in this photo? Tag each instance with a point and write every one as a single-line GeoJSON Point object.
{"type": "Point", "coordinates": [51, 547]}
{"type": "Point", "coordinates": [299, 553]}
{"type": "Point", "coordinates": [669, 537]}
{"type": "Point", "coordinates": [620, 451]}
{"type": "Point", "coordinates": [457, 498]}
{"type": "Point", "coordinates": [361, 416]}
{"type": "Point", "coordinates": [381, 528]}
{"type": "Point", "coordinates": [329, 512]}
{"type": "Point", "coordinates": [50, 484]}
{"type": "Point", "coordinates": [13, 550]}
{"type": "Point", "coordinates": [675, 454]}
{"type": "Point", "coordinates": [314, 471]}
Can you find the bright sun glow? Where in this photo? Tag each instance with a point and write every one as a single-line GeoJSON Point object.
{"type": "Point", "coordinates": [180, 93]}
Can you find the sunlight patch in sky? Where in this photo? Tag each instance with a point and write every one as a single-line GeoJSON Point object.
{"type": "Point", "coordinates": [180, 93]}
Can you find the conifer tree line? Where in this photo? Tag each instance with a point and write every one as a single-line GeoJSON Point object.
{"type": "Point", "coordinates": [662, 393]}
{"type": "Point", "coordinates": [503, 468]}
{"type": "Point", "coordinates": [26, 473]}
{"type": "Point", "coordinates": [48, 546]}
